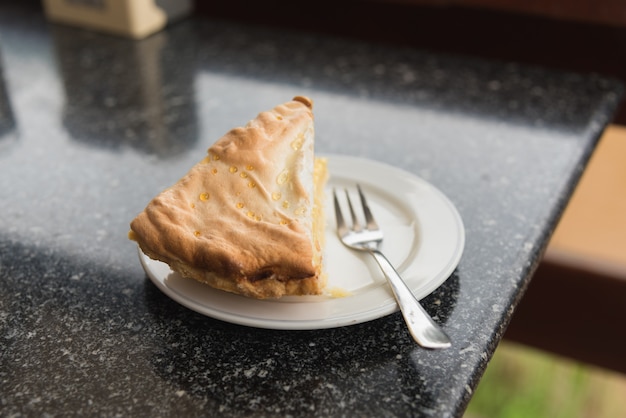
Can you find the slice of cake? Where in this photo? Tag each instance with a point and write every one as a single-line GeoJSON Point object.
{"type": "Point", "coordinates": [247, 218]}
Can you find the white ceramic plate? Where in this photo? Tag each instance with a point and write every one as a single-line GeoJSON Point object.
{"type": "Point", "coordinates": [424, 239]}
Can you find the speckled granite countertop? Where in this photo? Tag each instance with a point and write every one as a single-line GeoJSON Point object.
{"type": "Point", "coordinates": [92, 126]}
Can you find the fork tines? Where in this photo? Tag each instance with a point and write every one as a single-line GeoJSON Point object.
{"type": "Point", "coordinates": [356, 224]}
{"type": "Point", "coordinates": [369, 218]}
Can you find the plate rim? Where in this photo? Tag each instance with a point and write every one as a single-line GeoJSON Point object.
{"type": "Point", "coordinates": [333, 321]}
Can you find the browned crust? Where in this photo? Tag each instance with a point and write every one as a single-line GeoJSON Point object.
{"type": "Point", "coordinates": [270, 287]}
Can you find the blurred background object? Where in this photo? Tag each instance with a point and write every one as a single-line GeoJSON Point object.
{"type": "Point", "coordinates": [131, 18]}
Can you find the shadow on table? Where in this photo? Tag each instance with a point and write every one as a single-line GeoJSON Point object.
{"type": "Point", "coordinates": [248, 370]}
{"type": "Point", "coordinates": [452, 84]}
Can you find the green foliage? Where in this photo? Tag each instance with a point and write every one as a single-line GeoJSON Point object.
{"type": "Point", "coordinates": [521, 382]}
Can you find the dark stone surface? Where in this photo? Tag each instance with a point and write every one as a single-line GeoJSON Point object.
{"type": "Point", "coordinates": [93, 126]}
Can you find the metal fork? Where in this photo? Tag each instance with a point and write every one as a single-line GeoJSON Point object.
{"type": "Point", "coordinates": [421, 326]}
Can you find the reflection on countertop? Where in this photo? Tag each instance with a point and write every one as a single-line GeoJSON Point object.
{"type": "Point", "coordinates": [7, 119]}
{"type": "Point", "coordinates": [125, 92]}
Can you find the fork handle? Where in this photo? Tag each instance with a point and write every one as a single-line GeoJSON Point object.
{"type": "Point", "coordinates": [421, 326]}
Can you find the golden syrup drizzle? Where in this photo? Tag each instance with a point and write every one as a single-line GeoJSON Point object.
{"type": "Point", "coordinates": [283, 177]}
{"type": "Point", "coordinates": [296, 144]}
